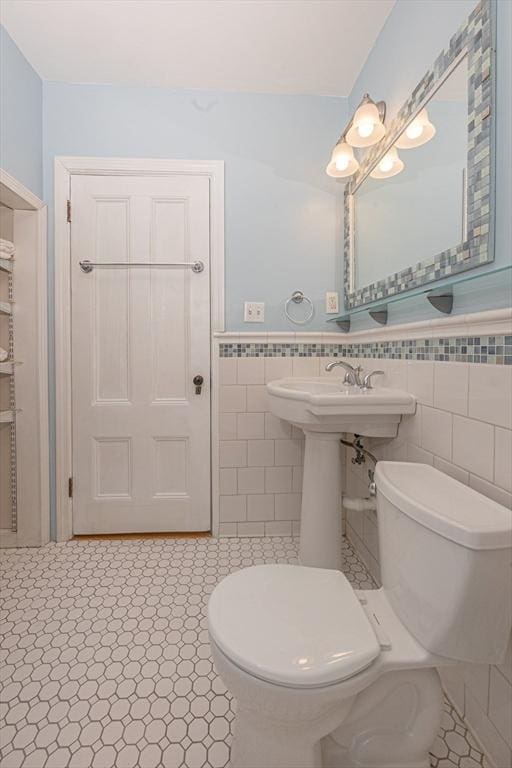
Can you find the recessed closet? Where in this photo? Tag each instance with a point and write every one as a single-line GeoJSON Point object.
{"type": "Point", "coordinates": [24, 483]}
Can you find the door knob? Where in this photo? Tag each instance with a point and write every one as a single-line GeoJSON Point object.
{"type": "Point", "coordinates": [198, 382]}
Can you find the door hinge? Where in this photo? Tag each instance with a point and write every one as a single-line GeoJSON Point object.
{"type": "Point", "coordinates": [68, 211]}
{"type": "Point", "coordinates": [70, 487]}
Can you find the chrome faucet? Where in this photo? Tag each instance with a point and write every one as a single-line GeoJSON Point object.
{"type": "Point", "coordinates": [352, 376]}
{"type": "Point", "coordinates": [367, 381]}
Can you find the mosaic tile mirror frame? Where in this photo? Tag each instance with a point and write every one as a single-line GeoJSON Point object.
{"type": "Point", "coordinates": [474, 39]}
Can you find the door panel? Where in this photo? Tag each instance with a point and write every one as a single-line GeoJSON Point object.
{"type": "Point", "coordinates": [169, 305]}
{"type": "Point", "coordinates": [141, 436]}
{"type": "Point", "coordinates": [113, 467]}
{"type": "Point", "coordinates": [171, 466]}
{"type": "Point", "coordinates": [111, 302]}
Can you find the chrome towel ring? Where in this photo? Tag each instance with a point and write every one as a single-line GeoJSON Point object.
{"type": "Point", "coordinates": [298, 297]}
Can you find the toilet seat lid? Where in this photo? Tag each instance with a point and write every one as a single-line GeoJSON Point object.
{"type": "Point", "coordinates": [292, 625]}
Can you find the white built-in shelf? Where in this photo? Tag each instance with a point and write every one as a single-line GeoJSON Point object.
{"type": "Point", "coordinates": [6, 368]}
{"type": "Point", "coordinates": [27, 460]}
{"type": "Point", "coordinates": [5, 308]}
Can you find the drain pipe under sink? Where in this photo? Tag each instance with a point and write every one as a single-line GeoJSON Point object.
{"type": "Point", "coordinates": [369, 503]}
{"type": "Point", "coordinates": [359, 505]}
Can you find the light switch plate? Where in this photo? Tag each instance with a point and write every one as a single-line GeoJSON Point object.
{"type": "Point", "coordinates": [332, 303]}
{"type": "Point", "coordinates": [254, 312]}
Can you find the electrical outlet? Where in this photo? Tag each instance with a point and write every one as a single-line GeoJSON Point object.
{"type": "Point", "coordinates": [332, 303]}
{"type": "Point", "coordinates": [254, 312]}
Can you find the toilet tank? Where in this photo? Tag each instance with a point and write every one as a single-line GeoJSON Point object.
{"type": "Point", "coordinates": [446, 555]}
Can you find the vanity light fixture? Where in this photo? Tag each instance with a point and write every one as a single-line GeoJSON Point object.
{"type": "Point", "coordinates": [389, 165]}
{"type": "Point", "coordinates": [342, 163]}
{"type": "Point", "coordinates": [366, 127]}
{"type": "Point", "coordinates": [418, 132]}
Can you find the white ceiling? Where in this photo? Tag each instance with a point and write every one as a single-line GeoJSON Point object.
{"type": "Point", "coordinates": [269, 46]}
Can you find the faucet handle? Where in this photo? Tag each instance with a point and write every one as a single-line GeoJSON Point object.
{"type": "Point", "coordinates": [367, 381]}
{"type": "Point", "coordinates": [353, 378]}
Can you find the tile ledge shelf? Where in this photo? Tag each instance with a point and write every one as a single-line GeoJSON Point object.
{"type": "Point", "coordinates": [488, 323]}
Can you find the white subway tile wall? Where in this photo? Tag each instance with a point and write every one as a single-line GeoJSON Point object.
{"type": "Point", "coordinates": [260, 456]}
{"type": "Point", "coordinates": [473, 446]}
{"type": "Point", "coordinates": [463, 427]}
{"type": "Point", "coordinates": [451, 383]}
{"type": "Point", "coordinates": [503, 458]}
{"type": "Point", "coordinates": [489, 394]}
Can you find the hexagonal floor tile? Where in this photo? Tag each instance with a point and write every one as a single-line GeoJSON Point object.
{"type": "Point", "coordinates": [105, 661]}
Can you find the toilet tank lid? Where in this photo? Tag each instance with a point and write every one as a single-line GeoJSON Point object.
{"type": "Point", "coordinates": [439, 502]}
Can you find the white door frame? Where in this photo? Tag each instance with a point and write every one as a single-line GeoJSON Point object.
{"type": "Point", "coordinates": [65, 168]}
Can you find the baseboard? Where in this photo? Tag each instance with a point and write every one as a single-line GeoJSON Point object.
{"type": "Point", "coordinates": [127, 536]}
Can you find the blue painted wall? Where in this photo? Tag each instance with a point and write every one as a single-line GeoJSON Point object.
{"type": "Point", "coordinates": [412, 37]}
{"type": "Point", "coordinates": [280, 207]}
{"type": "Point", "coordinates": [21, 104]}
{"type": "Point", "coordinates": [282, 213]}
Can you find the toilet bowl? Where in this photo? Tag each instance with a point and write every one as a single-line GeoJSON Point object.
{"type": "Point", "coordinates": [302, 652]}
{"type": "Point", "coordinates": [325, 676]}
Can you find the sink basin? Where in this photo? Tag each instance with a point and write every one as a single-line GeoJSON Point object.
{"type": "Point", "coordinates": [322, 404]}
{"type": "Point", "coordinates": [325, 408]}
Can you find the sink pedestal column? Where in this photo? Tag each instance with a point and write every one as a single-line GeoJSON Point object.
{"type": "Point", "coordinates": [320, 527]}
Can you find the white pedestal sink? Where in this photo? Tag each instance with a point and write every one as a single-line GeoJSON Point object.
{"type": "Point", "coordinates": [325, 409]}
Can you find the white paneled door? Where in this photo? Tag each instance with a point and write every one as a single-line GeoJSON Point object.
{"type": "Point", "coordinates": [141, 433]}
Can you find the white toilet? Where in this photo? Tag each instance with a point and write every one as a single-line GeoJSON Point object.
{"type": "Point", "coordinates": [325, 676]}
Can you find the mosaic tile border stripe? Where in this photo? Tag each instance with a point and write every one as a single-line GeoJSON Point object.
{"type": "Point", "coordinates": [475, 35]}
{"type": "Point", "coordinates": [492, 350]}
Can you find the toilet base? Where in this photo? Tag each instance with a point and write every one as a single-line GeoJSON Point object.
{"type": "Point", "coordinates": [392, 724]}
{"type": "Point", "coordinates": [278, 727]}
{"type": "Point", "coordinates": [269, 741]}
{"type": "Point", "coordinates": [285, 746]}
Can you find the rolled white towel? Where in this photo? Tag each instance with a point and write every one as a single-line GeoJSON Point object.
{"type": "Point", "coordinates": [6, 249]}
{"type": "Point", "coordinates": [3, 355]}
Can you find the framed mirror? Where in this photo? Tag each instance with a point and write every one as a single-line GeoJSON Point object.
{"type": "Point", "coordinates": [419, 209]}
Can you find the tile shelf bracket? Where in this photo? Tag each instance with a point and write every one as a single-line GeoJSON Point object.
{"type": "Point", "coordinates": [379, 314]}
{"type": "Point", "coordinates": [343, 323]}
{"type": "Point", "coordinates": [442, 300]}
